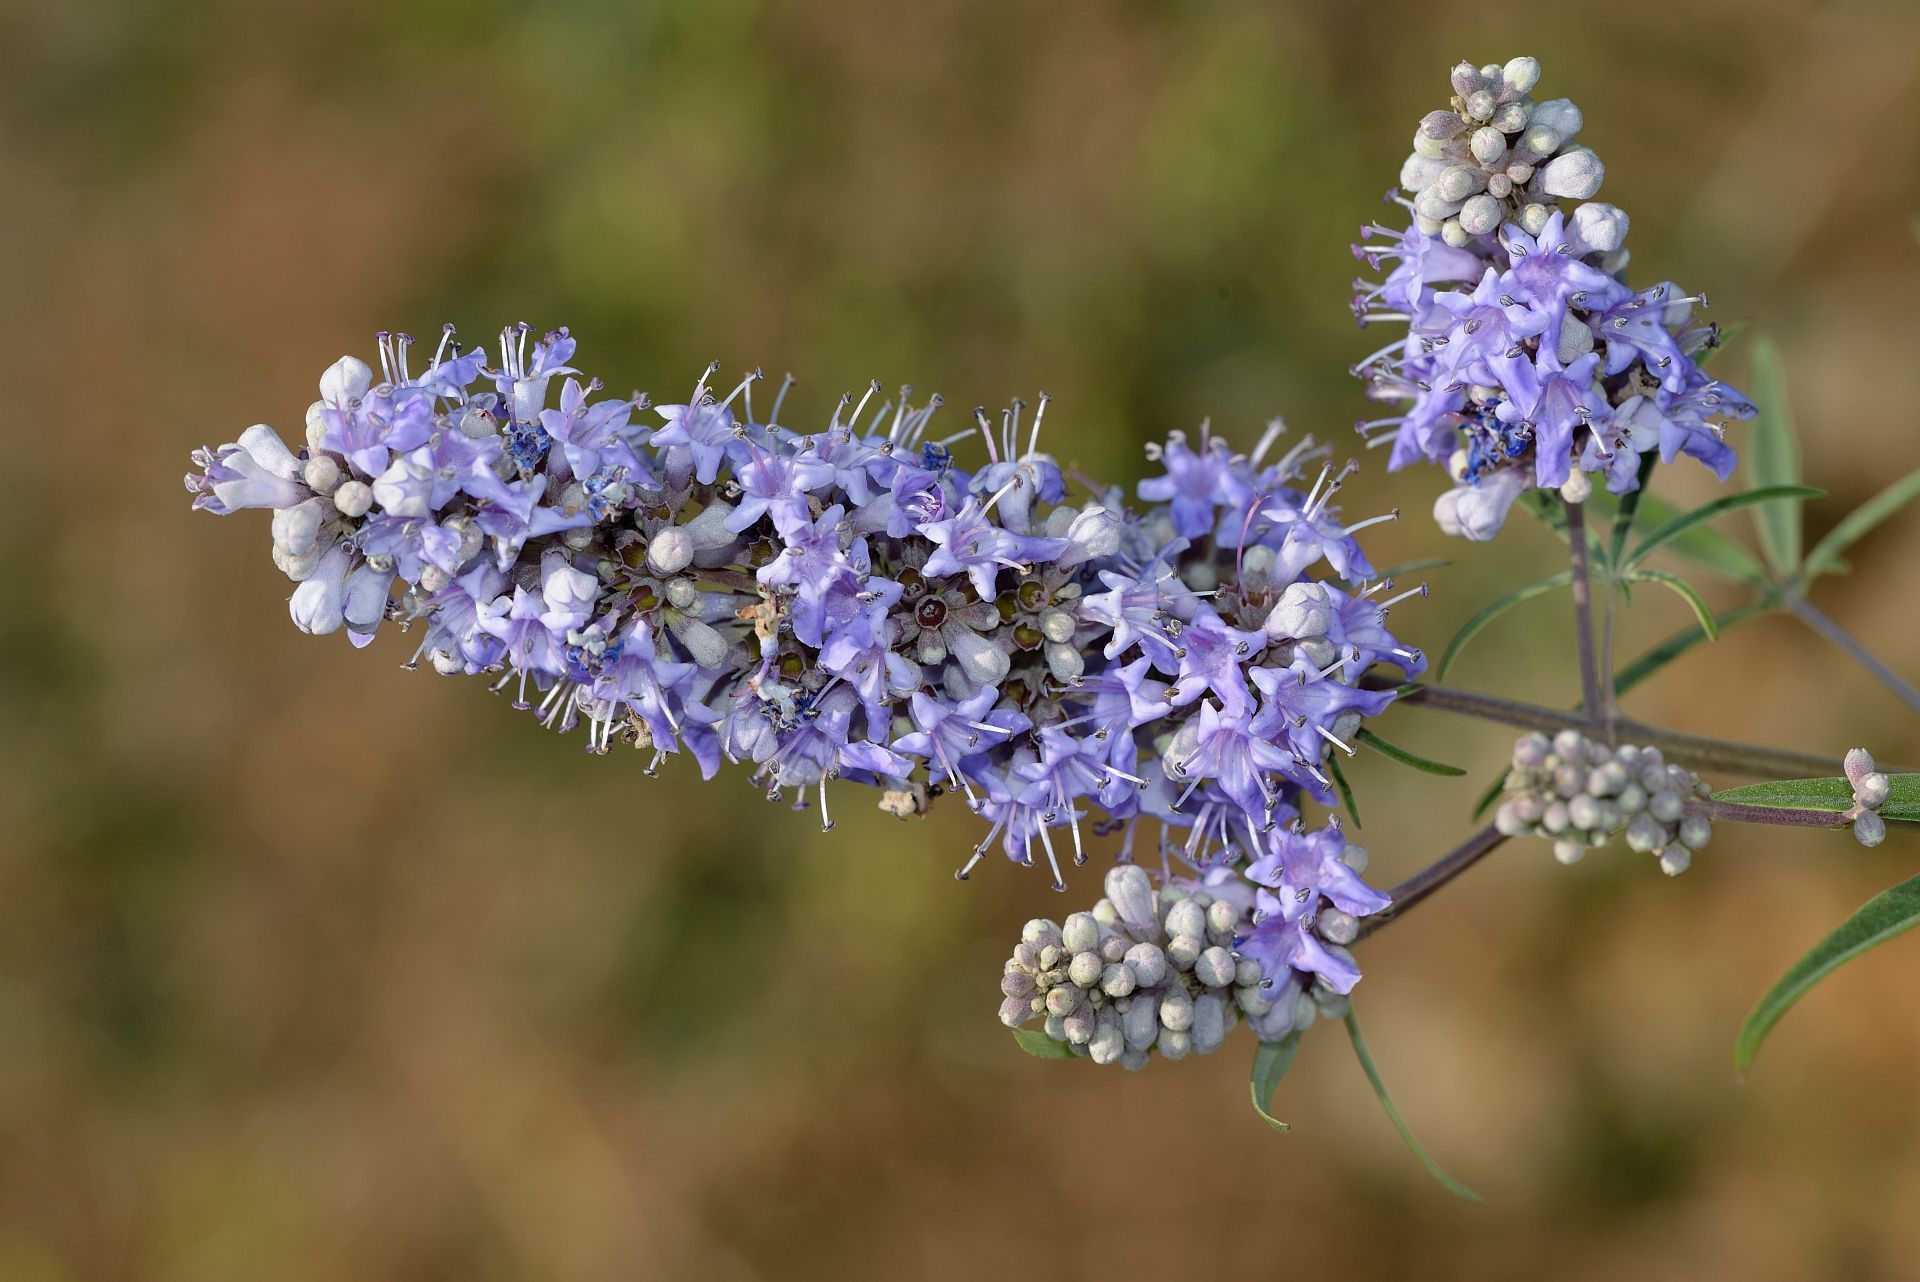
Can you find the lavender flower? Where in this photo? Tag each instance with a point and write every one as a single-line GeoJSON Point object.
{"type": "Point", "coordinates": [1526, 357]}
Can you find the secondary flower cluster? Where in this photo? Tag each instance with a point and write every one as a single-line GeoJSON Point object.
{"type": "Point", "coordinates": [848, 603]}
{"type": "Point", "coordinates": [1871, 789]}
{"type": "Point", "coordinates": [1173, 971]}
{"type": "Point", "coordinates": [1527, 359]}
{"type": "Point", "coordinates": [1580, 793]}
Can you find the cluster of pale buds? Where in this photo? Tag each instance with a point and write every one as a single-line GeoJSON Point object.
{"type": "Point", "coordinates": [1870, 792]}
{"type": "Point", "coordinates": [1581, 792]}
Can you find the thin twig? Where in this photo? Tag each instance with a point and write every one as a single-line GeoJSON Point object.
{"type": "Point", "coordinates": [1697, 751]}
{"type": "Point", "coordinates": [1811, 615]}
{"type": "Point", "coordinates": [1590, 697]}
{"type": "Point", "coordinates": [1432, 877]}
{"type": "Point", "coordinates": [1742, 813]}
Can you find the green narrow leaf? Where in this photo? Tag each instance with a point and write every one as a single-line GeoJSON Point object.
{"type": "Point", "coordinates": [1826, 553]}
{"type": "Point", "coordinates": [1393, 1114]}
{"type": "Point", "coordinates": [1681, 642]}
{"type": "Point", "coordinates": [1340, 782]}
{"type": "Point", "coordinates": [1629, 507]}
{"type": "Point", "coordinates": [1774, 458]}
{"type": "Point", "coordinates": [1701, 611]}
{"type": "Point", "coordinates": [1705, 547]}
{"type": "Point", "coordinates": [1040, 1046]}
{"type": "Point", "coordinates": [1389, 749]}
{"type": "Point", "coordinates": [1834, 794]}
{"type": "Point", "coordinates": [1492, 612]}
{"type": "Point", "coordinates": [1889, 913]}
{"type": "Point", "coordinates": [1270, 1064]}
{"type": "Point", "coordinates": [1708, 511]}
{"type": "Point", "coordinates": [1491, 795]}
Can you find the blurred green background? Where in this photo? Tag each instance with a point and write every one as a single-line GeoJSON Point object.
{"type": "Point", "coordinates": [311, 968]}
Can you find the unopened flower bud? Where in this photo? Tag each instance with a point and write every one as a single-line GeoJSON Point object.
{"type": "Point", "coordinates": [1186, 918]}
{"type": "Point", "coordinates": [1858, 765]}
{"type": "Point", "coordinates": [1176, 1010]}
{"type": "Point", "coordinates": [1148, 963]}
{"type": "Point", "coordinates": [1695, 832]}
{"type": "Point", "coordinates": [1214, 967]}
{"type": "Point", "coordinates": [670, 551]}
{"type": "Point", "coordinates": [1079, 1024]}
{"type": "Point", "coordinates": [321, 473]}
{"type": "Point", "coordinates": [1063, 1000]}
{"type": "Point", "coordinates": [1568, 851]}
{"type": "Point", "coordinates": [1117, 980]}
{"type": "Point", "coordinates": [1872, 790]}
{"type": "Point", "coordinates": [1574, 175]}
{"type": "Point", "coordinates": [1675, 859]}
{"type": "Point", "coordinates": [1085, 969]}
{"type": "Point", "coordinates": [1869, 829]}
{"type": "Point", "coordinates": [1520, 75]}
{"type": "Point", "coordinates": [353, 498]}
{"type": "Point", "coordinates": [1185, 950]}
{"type": "Point", "coordinates": [1481, 214]}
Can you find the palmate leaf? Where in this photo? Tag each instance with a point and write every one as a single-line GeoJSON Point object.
{"type": "Point", "coordinates": [1834, 794]}
{"type": "Point", "coordinates": [1825, 556]}
{"type": "Point", "coordinates": [1685, 591]}
{"type": "Point", "coordinates": [1773, 458]}
{"type": "Point", "coordinates": [1387, 748]}
{"type": "Point", "coordinates": [1889, 913]}
{"type": "Point", "coordinates": [1679, 525]}
{"type": "Point", "coordinates": [1492, 612]}
{"type": "Point", "coordinates": [1434, 1168]}
{"type": "Point", "coordinates": [1040, 1046]}
{"type": "Point", "coordinates": [1270, 1064]}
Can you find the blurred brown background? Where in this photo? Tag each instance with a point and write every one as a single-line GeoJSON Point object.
{"type": "Point", "coordinates": [311, 968]}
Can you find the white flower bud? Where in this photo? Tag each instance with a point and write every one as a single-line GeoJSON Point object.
{"type": "Point", "coordinates": [1304, 610]}
{"type": "Point", "coordinates": [1214, 968]}
{"type": "Point", "coordinates": [1108, 1043]}
{"type": "Point", "coordinates": [1434, 207]}
{"type": "Point", "coordinates": [670, 551]}
{"type": "Point", "coordinates": [1481, 215]}
{"type": "Point", "coordinates": [1148, 963]}
{"type": "Point", "coordinates": [1869, 829]}
{"type": "Point", "coordinates": [1574, 175]}
{"type": "Point", "coordinates": [1489, 146]}
{"type": "Point", "coordinates": [1507, 821]}
{"type": "Point", "coordinates": [1355, 856]}
{"type": "Point", "coordinates": [1499, 186]}
{"type": "Point", "coordinates": [321, 473]}
{"type": "Point", "coordinates": [1858, 765]}
{"type": "Point", "coordinates": [1117, 980]}
{"type": "Point", "coordinates": [316, 425]}
{"type": "Point", "coordinates": [1539, 141]}
{"type": "Point", "coordinates": [1081, 933]}
{"type": "Point", "coordinates": [1131, 891]}
{"type": "Point", "coordinates": [1645, 834]}
{"type": "Point", "coordinates": [1583, 811]}
{"type": "Point", "coordinates": [296, 528]}
{"type": "Point", "coordinates": [1695, 832]}
{"type": "Point", "coordinates": [1667, 807]}
{"type": "Point", "coordinates": [1675, 859]}
{"type": "Point", "coordinates": [1175, 1046]}
{"type": "Point", "coordinates": [1559, 115]}
{"type": "Point", "coordinates": [1454, 234]}
{"type": "Point", "coordinates": [1568, 851]}
{"type": "Point", "coordinates": [1458, 183]}
{"type": "Point", "coordinates": [1079, 1024]}
{"type": "Point", "coordinates": [1442, 125]}
{"type": "Point", "coordinates": [1141, 1022]}
{"type": "Point", "coordinates": [1597, 228]}
{"type": "Point", "coordinates": [1015, 1011]}
{"type": "Point", "coordinates": [1466, 79]}
{"type": "Point", "coordinates": [1186, 917]}
{"type": "Point", "coordinates": [1185, 950]}
{"type": "Point", "coordinates": [1531, 749]}
{"type": "Point", "coordinates": [1085, 969]}
{"type": "Point", "coordinates": [1339, 927]}
{"type": "Point", "coordinates": [1512, 117]}
{"type": "Point", "coordinates": [1520, 75]}
{"type": "Point", "coordinates": [353, 498]}
{"type": "Point", "coordinates": [1577, 488]}
{"type": "Point", "coordinates": [1222, 919]}
{"type": "Point", "coordinates": [1209, 1022]}
{"type": "Point", "coordinates": [1872, 790]}
{"type": "Point", "coordinates": [346, 380]}
{"type": "Point", "coordinates": [1533, 218]}
{"type": "Point", "coordinates": [706, 647]}
{"type": "Point", "coordinates": [1480, 104]}
{"type": "Point", "coordinates": [1040, 933]}
{"type": "Point", "coordinates": [1062, 1001]}
{"type": "Point", "coordinates": [433, 578]}
{"type": "Point", "coordinates": [1176, 1010]}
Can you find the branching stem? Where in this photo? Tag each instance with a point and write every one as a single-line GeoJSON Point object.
{"type": "Point", "coordinates": [1811, 615]}
{"type": "Point", "coordinates": [1695, 751]}
{"type": "Point", "coordinates": [1590, 696]}
{"type": "Point", "coordinates": [1433, 876]}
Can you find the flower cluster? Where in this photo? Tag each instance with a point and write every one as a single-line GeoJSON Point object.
{"type": "Point", "coordinates": [1871, 789]}
{"type": "Point", "coordinates": [846, 603]}
{"type": "Point", "coordinates": [1174, 971]}
{"type": "Point", "coordinates": [1580, 792]}
{"type": "Point", "coordinates": [1527, 359]}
